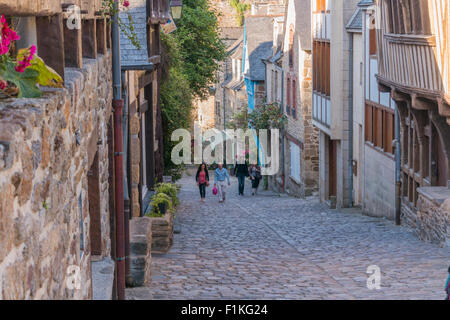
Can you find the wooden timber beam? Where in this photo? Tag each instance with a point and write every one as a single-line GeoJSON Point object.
{"type": "Point", "coordinates": [420, 104]}
{"type": "Point", "coordinates": [89, 38]}
{"type": "Point", "coordinates": [73, 47]}
{"type": "Point", "coordinates": [50, 41]}
{"type": "Point", "coordinates": [30, 7]}
{"type": "Point", "coordinates": [101, 36]}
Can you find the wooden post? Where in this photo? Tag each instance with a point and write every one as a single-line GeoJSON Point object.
{"type": "Point", "coordinates": [50, 41]}
{"type": "Point", "coordinates": [108, 33]}
{"type": "Point", "coordinates": [101, 36]}
{"type": "Point", "coordinates": [73, 47]}
{"type": "Point", "coordinates": [89, 37]}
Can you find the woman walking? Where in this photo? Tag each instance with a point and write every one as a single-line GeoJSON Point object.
{"type": "Point", "coordinates": [219, 181]}
{"type": "Point", "coordinates": [255, 176]}
{"type": "Point", "coordinates": [202, 179]}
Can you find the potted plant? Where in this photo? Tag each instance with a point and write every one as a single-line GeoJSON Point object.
{"type": "Point", "coordinates": [21, 75]}
{"type": "Point", "coordinates": [160, 203]}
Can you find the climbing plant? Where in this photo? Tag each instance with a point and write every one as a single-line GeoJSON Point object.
{"type": "Point", "coordinates": [126, 27]}
{"type": "Point", "coordinates": [240, 8]}
{"type": "Point", "coordinates": [267, 116]}
{"type": "Point", "coordinates": [239, 120]}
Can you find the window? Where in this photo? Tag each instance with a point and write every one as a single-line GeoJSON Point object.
{"type": "Point", "coordinates": [294, 99]}
{"type": "Point", "coordinates": [321, 5]}
{"type": "Point", "coordinates": [321, 67]}
{"type": "Point", "coordinates": [373, 38]}
{"type": "Point", "coordinates": [217, 107]}
{"type": "Point", "coordinates": [295, 161]}
{"type": "Point", "coordinates": [276, 87]}
{"type": "Point", "coordinates": [408, 17]}
{"type": "Point", "coordinates": [288, 96]}
{"type": "Point", "coordinates": [291, 47]}
{"type": "Point", "coordinates": [379, 127]}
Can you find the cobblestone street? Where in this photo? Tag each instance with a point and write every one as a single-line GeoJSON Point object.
{"type": "Point", "coordinates": [279, 247]}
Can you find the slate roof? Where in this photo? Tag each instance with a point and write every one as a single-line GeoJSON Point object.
{"type": "Point", "coordinates": [231, 33]}
{"type": "Point", "coordinates": [276, 57]}
{"type": "Point", "coordinates": [236, 48]}
{"type": "Point", "coordinates": [364, 3]}
{"type": "Point", "coordinates": [355, 23]}
{"type": "Point", "coordinates": [129, 54]}
{"type": "Point", "coordinates": [236, 84]}
{"type": "Point", "coordinates": [259, 45]}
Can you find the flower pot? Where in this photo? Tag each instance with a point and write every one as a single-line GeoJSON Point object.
{"type": "Point", "coordinates": [162, 207]}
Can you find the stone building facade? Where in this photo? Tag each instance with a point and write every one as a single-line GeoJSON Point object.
{"type": "Point", "coordinates": [54, 182]}
{"type": "Point", "coordinates": [57, 160]}
{"type": "Point", "coordinates": [299, 173]}
{"type": "Point", "coordinates": [331, 97]}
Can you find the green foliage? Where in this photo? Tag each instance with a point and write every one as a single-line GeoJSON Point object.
{"type": "Point", "coordinates": [267, 116]}
{"type": "Point", "coordinates": [240, 8]}
{"type": "Point", "coordinates": [47, 77]}
{"type": "Point", "coordinates": [127, 28]}
{"type": "Point", "coordinates": [200, 45]}
{"type": "Point", "coordinates": [176, 103]}
{"type": "Point", "coordinates": [176, 171]}
{"type": "Point", "coordinates": [169, 189]}
{"type": "Point", "coordinates": [239, 120]}
{"type": "Point", "coordinates": [26, 82]}
{"type": "Point", "coordinates": [189, 65]}
{"type": "Point", "coordinates": [156, 200]}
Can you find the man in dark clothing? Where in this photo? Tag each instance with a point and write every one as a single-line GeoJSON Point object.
{"type": "Point", "coordinates": [241, 171]}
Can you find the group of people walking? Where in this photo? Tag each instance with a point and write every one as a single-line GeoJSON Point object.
{"type": "Point", "coordinates": [222, 179]}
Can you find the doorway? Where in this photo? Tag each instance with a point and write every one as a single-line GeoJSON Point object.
{"type": "Point", "coordinates": [332, 168]}
{"type": "Point", "coordinates": [95, 230]}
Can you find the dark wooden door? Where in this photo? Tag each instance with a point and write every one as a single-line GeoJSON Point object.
{"type": "Point", "coordinates": [442, 170]}
{"type": "Point", "coordinates": [332, 166]}
{"type": "Point", "coordinates": [95, 230]}
{"type": "Point", "coordinates": [150, 137]}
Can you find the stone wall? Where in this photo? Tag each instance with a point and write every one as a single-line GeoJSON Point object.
{"type": "Point", "coordinates": [47, 148]}
{"type": "Point", "coordinates": [431, 221]}
{"type": "Point", "coordinates": [379, 183]}
{"type": "Point", "coordinates": [162, 233]}
{"type": "Point", "coordinates": [140, 250]}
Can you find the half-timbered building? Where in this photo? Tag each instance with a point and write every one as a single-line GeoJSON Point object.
{"type": "Point", "coordinates": [414, 59]}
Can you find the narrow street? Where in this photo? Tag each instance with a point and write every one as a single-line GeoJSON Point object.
{"type": "Point", "coordinates": [280, 247]}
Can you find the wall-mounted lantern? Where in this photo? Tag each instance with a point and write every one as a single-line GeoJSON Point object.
{"type": "Point", "coordinates": [176, 8]}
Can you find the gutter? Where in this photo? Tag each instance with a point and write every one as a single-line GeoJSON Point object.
{"type": "Point", "coordinates": [350, 123]}
{"type": "Point", "coordinates": [117, 105]}
{"type": "Point", "coordinates": [398, 181]}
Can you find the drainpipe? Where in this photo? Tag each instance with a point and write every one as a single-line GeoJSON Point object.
{"type": "Point", "coordinates": [350, 123]}
{"type": "Point", "coordinates": [398, 182]}
{"type": "Point", "coordinates": [117, 105]}
{"type": "Point", "coordinates": [126, 195]}
{"type": "Point", "coordinates": [224, 114]}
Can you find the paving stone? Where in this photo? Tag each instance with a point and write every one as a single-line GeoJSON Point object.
{"type": "Point", "coordinates": [271, 247]}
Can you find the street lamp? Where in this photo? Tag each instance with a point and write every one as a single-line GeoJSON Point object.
{"type": "Point", "coordinates": [176, 7]}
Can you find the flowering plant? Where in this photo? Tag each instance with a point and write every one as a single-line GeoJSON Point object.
{"type": "Point", "coordinates": [128, 29]}
{"type": "Point", "coordinates": [20, 76]}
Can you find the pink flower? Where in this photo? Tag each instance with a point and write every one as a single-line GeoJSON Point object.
{"type": "Point", "coordinates": [3, 84]}
{"type": "Point", "coordinates": [7, 36]}
{"type": "Point", "coordinates": [126, 3]}
{"type": "Point", "coordinates": [26, 61]}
